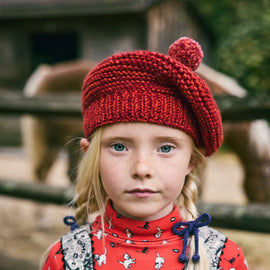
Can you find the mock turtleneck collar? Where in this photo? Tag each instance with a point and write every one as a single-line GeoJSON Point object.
{"type": "Point", "coordinates": [152, 230]}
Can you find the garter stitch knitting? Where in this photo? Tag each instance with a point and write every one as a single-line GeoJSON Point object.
{"type": "Point", "coordinates": [152, 87]}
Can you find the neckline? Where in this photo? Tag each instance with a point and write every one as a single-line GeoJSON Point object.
{"type": "Point", "coordinates": [159, 229]}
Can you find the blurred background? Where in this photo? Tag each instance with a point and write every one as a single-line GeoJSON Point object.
{"type": "Point", "coordinates": [47, 47]}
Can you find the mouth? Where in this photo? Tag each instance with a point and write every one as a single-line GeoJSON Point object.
{"type": "Point", "coordinates": [141, 193]}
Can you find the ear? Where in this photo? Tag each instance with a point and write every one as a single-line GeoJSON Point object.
{"type": "Point", "coordinates": [190, 168]}
{"type": "Point", "coordinates": [84, 143]}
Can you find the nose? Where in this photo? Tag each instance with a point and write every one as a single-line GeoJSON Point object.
{"type": "Point", "coordinates": [142, 168]}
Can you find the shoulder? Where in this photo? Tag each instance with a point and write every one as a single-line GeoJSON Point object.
{"type": "Point", "coordinates": [54, 259]}
{"type": "Point", "coordinates": [233, 257]}
{"type": "Point", "coordinates": [213, 242]}
{"type": "Point", "coordinates": [221, 251]}
{"type": "Point", "coordinates": [77, 248]}
{"type": "Point", "coordinates": [73, 250]}
{"type": "Point", "coordinates": [83, 233]}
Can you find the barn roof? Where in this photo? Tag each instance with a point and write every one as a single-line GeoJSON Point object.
{"type": "Point", "coordinates": [56, 8]}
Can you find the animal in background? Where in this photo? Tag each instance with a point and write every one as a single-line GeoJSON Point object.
{"type": "Point", "coordinates": [250, 140]}
{"type": "Point", "coordinates": [45, 137]}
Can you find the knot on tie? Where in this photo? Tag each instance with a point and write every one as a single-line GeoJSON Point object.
{"type": "Point", "coordinates": [71, 221]}
{"type": "Point", "coordinates": [188, 229]}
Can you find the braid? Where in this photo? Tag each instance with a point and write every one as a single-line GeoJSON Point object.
{"type": "Point", "coordinates": [90, 195]}
{"type": "Point", "coordinates": [81, 213]}
{"type": "Point", "coordinates": [189, 195]}
{"type": "Point", "coordinates": [186, 203]}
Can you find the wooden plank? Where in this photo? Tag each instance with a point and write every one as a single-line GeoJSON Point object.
{"type": "Point", "coordinates": [53, 106]}
{"type": "Point", "coordinates": [250, 217]}
{"type": "Point", "coordinates": [232, 108]}
{"type": "Point", "coordinates": [244, 109]}
{"type": "Point", "coordinates": [43, 8]}
{"type": "Point", "coordinates": [36, 192]}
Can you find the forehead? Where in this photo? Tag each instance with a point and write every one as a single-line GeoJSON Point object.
{"type": "Point", "coordinates": [141, 129]}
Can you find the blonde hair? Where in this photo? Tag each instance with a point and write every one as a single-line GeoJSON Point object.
{"type": "Point", "coordinates": [186, 203]}
{"type": "Point", "coordinates": [91, 197]}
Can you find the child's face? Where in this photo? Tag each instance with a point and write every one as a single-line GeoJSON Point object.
{"type": "Point", "coordinates": [143, 168]}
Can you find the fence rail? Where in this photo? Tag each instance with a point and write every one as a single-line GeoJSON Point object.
{"type": "Point", "coordinates": [232, 108]}
{"type": "Point", "coordinates": [251, 217]}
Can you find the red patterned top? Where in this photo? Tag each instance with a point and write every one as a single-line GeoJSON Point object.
{"type": "Point", "coordinates": [130, 244]}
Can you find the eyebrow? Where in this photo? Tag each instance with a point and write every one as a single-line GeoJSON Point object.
{"type": "Point", "coordinates": [116, 138]}
{"type": "Point", "coordinates": [130, 139]}
{"type": "Point", "coordinates": [168, 138]}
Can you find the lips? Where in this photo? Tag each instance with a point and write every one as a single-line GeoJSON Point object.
{"type": "Point", "coordinates": [142, 193]}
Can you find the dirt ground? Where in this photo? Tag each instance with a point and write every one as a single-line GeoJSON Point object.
{"type": "Point", "coordinates": [21, 237]}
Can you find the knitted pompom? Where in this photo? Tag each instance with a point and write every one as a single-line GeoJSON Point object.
{"type": "Point", "coordinates": [187, 51]}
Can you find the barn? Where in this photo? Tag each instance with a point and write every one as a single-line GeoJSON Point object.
{"type": "Point", "coordinates": [49, 31]}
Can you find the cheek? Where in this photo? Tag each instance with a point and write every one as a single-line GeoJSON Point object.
{"type": "Point", "coordinates": [175, 179]}
{"type": "Point", "coordinates": [110, 175]}
{"type": "Point", "coordinates": [180, 170]}
{"type": "Point", "coordinates": [105, 174]}
{"type": "Point", "coordinates": [106, 179]}
{"type": "Point", "coordinates": [108, 184]}
{"type": "Point", "coordinates": [177, 185]}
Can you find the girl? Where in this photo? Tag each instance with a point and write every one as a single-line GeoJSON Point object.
{"type": "Point", "coordinates": [149, 122]}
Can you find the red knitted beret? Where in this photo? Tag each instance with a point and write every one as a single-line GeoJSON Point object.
{"type": "Point", "coordinates": [152, 87]}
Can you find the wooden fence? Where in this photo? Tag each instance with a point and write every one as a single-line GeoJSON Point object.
{"type": "Point", "coordinates": [232, 108]}
{"type": "Point", "coordinates": [251, 217]}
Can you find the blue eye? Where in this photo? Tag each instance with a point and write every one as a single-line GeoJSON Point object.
{"type": "Point", "coordinates": [166, 148]}
{"type": "Point", "coordinates": [118, 147]}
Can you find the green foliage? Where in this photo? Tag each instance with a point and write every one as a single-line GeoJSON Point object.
{"type": "Point", "coordinates": [241, 35]}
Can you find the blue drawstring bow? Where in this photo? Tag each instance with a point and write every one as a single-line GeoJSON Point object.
{"type": "Point", "coordinates": [187, 229]}
{"type": "Point", "coordinates": [71, 221]}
